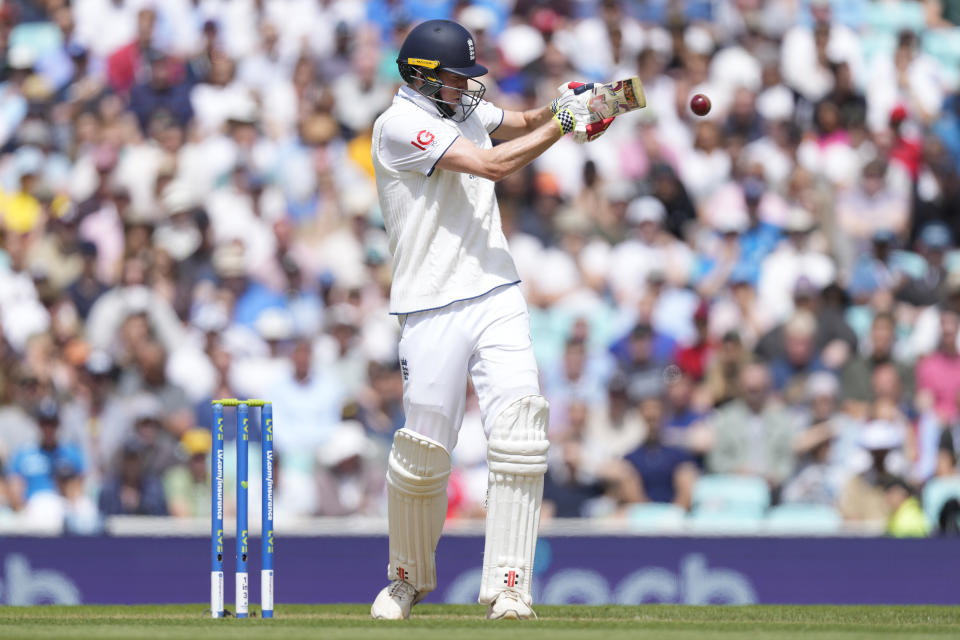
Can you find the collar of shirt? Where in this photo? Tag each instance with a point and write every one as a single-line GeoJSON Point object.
{"type": "Point", "coordinates": [417, 98]}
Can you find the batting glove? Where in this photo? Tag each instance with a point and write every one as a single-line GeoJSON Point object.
{"type": "Point", "coordinates": [575, 96]}
{"type": "Point", "coordinates": [569, 92]}
{"type": "Point", "coordinates": [584, 134]}
{"type": "Point", "coordinates": [566, 119]}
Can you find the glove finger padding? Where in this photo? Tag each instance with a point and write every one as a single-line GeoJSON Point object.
{"type": "Point", "coordinates": [575, 87]}
{"type": "Point", "coordinates": [583, 134]}
{"type": "Point", "coordinates": [566, 96]}
{"type": "Point", "coordinates": [575, 96]}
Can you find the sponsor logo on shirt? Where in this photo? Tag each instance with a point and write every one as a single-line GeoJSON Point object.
{"type": "Point", "coordinates": [424, 139]}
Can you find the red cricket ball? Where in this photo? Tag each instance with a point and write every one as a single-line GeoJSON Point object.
{"type": "Point", "coordinates": [700, 104]}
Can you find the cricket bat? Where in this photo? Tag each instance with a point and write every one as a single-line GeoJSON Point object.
{"type": "Point", "coordinates": [616, 98]}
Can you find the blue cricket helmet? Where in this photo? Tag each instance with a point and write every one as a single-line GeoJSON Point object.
{"type": "Point", "coordinates": [441, 45]}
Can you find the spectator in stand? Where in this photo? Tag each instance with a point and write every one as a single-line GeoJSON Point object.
{"type": "Point", "coordinates": [930, 285]}
{"type": "Point", "coordinates": [761, 236]}
{"type": "Point", "coordinates": [146, 376]}
{"type": "Point", "coordinates": [616, 425]}
{"type": "Point", "coordinates": [850, 102]}
{"type": "Point", "coordinates": [18, 426]}
{"type": "Point", "coordinates": [938, 374]}
{"type": "Point", "coordinates": [126, 65]}
{"type": "Point", "coordinates": [350, 479]}
{"type": "Point", "coordinates": [907, 519]}
{"type": "Point", "coordinates": [821, 444]}
{"type": "Point", "coordinates": [754, 434]}
{"type": "Point", "coordinates": [87, 287]}
{"type": "Point", "coordinates": [644, 373]}
{"type": "Point", "coordinates": [186, 486]}
{"type": "Point", "coordinates": [572, 379]}
{"type": "Point", "coordinates": [799, 360]}
{"type": "Point", "coordinates": [908, 79]}
{"type": "Point", "coordinates": [723, 372]}
{"type": "Point", "coordinates": [198, 66]}
{"type": "Point", "coordinates": [575, 486]}
{"type": "Point", "coordinates": [879, 267]}
{"type": "Point", "coordinates": [80, 513]}
{"type": "Point", "coordinates": [684, 404]}
{"type": "Point", "coordinates": [819, 403]}
{"type": "Point", "coordinates": [948, 450]}
{"type": "Point", "coordinates": [648, 249]}
{"type": "Point", "coordinates": [308, 402]}
{"type": "Point", "coordinates": [157, 436]}
{"type": "Point", "coordinates": [32, 469]}
{"type": "Point", "coordinates": [13, 104]}
{"type": "Point", "coordinates": [340, 350]}
{"type": "Point", "coordinates": [819, 480]}
{"type": "Point", "coordinates": [57, 253]}
{"type": "Point", "coordinates": [693, 359]}
{"type": "Point", "coordinates": [947, 127]}
{"type": "Point", "coordinates": [833, 338]}
{"type": "Point", "coordinates": [796, 258]}
{"type": "Point", "coordinates": [667, 188]}
{"type": "Point", "coordinates": [380, 406]}
{"type": "Point", "coordinates": [880, 349]}
{"type": "Point", "coordinates": [808, 51]}
{"type": "Point", "coordinates": [665, 473]}
{"type": "Point", "coordinates": [161, 92]}
{"type": "Point", "coordinates": [132, 490]}
{"type": "Point", "coordinates": [888, 209]}
{"type": "Point", "coordinates": [936, 191]}
{"type": "Point", "coordinates": [96, 418]}
{"type": "Point", "coordinates": [864, 496]}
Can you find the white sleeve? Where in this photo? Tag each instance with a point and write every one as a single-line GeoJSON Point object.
{"type": "Point", "coordinates": [414, 144]}
{"type": "Point", "coordinates": [490, 115]}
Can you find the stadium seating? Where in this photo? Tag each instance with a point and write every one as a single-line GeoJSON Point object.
{"type": "Point", "coordinates": [745, 495]}
{"type": "Point", "coordinates": [936, 492]}
{"type": "Point", "coordinates": [944, 45]}
{"type": "Point", "coordinates": [655, 517]}
{"type": "Point", "coordinates": [805, 519]}
{"type": "Point", "coordinates": [895, 16]}
{"type": "Point", "coordinates": [732, 522]}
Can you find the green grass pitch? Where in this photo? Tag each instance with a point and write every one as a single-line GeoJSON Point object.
{"type": "Point", "coordinates": [466, 622]}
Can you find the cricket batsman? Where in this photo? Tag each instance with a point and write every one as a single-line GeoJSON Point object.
{"type": "Point", "coordinates": [454, 292]}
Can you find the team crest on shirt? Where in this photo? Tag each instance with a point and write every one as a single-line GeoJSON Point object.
{"type": "Point", "coordinates": [423, 140]}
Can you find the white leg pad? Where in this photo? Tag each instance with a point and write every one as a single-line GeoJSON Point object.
{"type": "Point", "coordinates": [417, 475]}
{"type": "Point", "coordinates": [517, 461]}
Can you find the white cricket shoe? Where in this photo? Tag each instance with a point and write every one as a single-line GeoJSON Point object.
{"type": "Point", "coordinates": [394, 601]}
{"type": "Point", "coordinates": [508, 605]}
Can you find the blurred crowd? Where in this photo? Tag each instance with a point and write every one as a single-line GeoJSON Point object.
{"type": "Point", "coordinates": [187, 212]}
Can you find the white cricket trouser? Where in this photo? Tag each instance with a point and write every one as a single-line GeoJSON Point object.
{"type": "Point", "coordinates": [489, 337]}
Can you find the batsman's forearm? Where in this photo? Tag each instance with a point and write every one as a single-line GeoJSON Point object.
{"type": "Point", "coordinates": [515, 154]}
{"type": "Point", "coordinates": [536, 118]}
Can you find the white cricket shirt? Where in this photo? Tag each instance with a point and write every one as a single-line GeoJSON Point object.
{"type": "Point", "coordinates": [443, 226]}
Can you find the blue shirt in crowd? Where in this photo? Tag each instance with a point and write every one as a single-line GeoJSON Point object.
{"type": "Point", "coordinates": [656, 465]}
{"type": "Point", "coordinates": [37, 466]}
